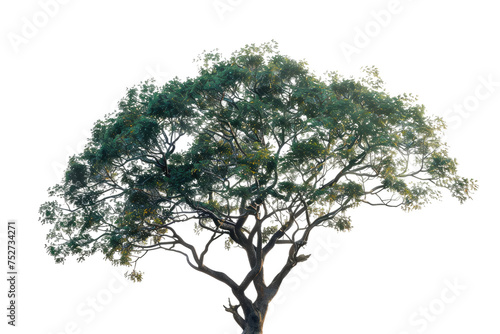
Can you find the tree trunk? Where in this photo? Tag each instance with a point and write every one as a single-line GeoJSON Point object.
{"type": "Point", "coordinates": [254, 323]}
{"type": "Point", "coordinates": [255, 328]}
{"type": "Point", "coordinates": [252, 331]}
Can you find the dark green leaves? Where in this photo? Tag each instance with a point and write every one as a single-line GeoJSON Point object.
{"type": "Point", "coordinates": [76, 174]}
{"type": "Point", "coordinates": [257, 135]}
{"type": "Point", "coordinates": [307, 150]}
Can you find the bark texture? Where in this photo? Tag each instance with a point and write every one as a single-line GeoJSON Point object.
{"type": "Point", "coordinates": [254, 323]}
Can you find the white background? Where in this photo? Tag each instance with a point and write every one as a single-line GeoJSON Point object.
{"type": "Point", "coordinates": [66, 63]}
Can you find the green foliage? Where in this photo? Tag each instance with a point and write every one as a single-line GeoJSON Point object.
{"type": "Point", "coordinates": [340, 223]}
{"type": "Point", "coordinates": [262, 133]}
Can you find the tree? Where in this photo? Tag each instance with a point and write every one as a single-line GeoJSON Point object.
{"type": "Point", "coordinates": [256, 151]}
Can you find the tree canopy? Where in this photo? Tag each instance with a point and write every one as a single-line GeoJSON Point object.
{"type": "Point", "coordinates": [257, 150]}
